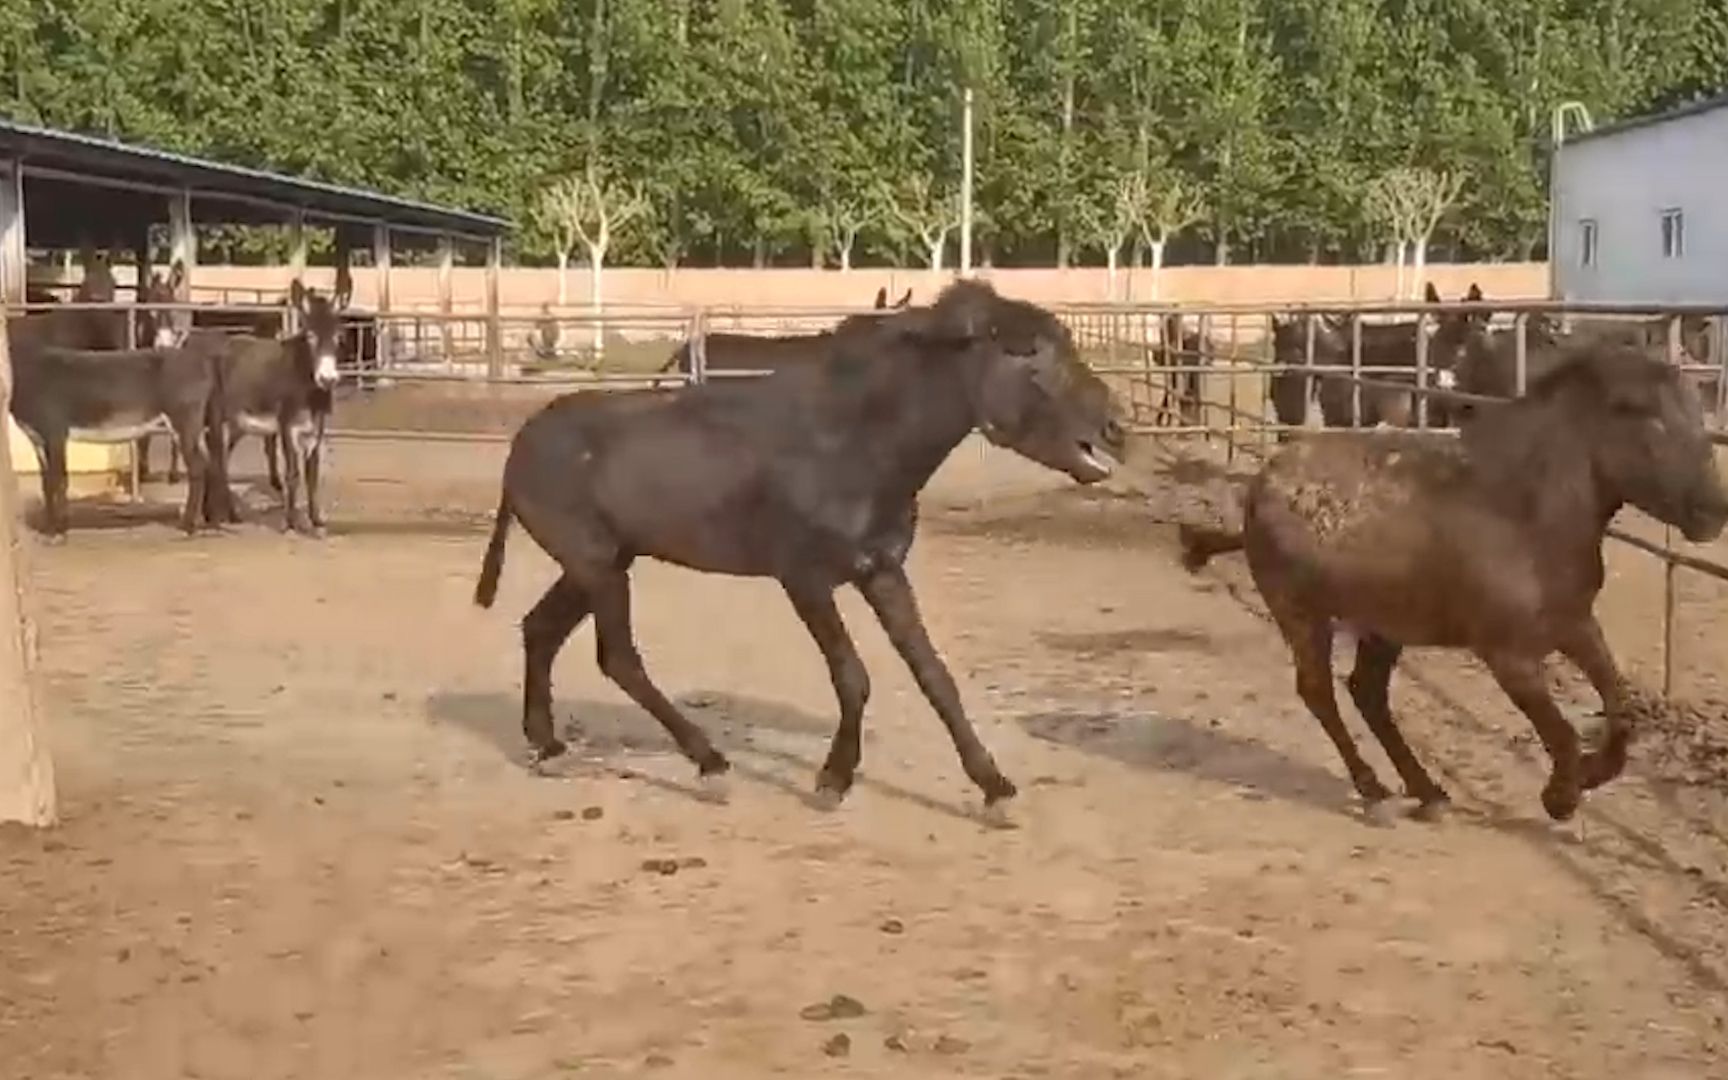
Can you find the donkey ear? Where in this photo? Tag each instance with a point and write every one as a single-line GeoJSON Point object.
{"type": "Point", "coordinates": [344, 288]}
{"type": "Point", "coordinates": [881, 298]}
{"type": "Point", "coordinates": [904, 300]}
{"type": "Point", "coordinates": [964, 312]}
{"type": "Point", "coordinates": [1431, 294]}
{"type": "Point", "coordinates": [297, 294]}
{"type": "Point", "coordinates": [1475, 293]}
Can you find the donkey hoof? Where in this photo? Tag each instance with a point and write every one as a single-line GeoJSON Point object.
{"type": "Point", "coordinates": [1432, 810]}
{"type": "Point", "coordinates": [1381, 813]}
{"type": "Point", "coordinates": [998, 813]}
{"type": "Point", "coordinates": [714, 788]}
{"type": "Point", "coordinates": [538, 756]}
{"type": "Point", "coordinates": [1561, 802]}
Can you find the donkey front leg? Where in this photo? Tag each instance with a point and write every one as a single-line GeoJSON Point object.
{"type": "Point", "coordinates": [1525, 682]}
{"type": "Point", "coordinates": [1588, 649]}
{"type": "Point", "coordinates": [889, 594]}
{"type": "Point", "coordinates": [312, 454]}
{"type": "Point", "coordinates": [292, 516]}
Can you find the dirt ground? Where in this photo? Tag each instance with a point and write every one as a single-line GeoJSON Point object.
{"type": "Point", "coordinates": [300, 839]}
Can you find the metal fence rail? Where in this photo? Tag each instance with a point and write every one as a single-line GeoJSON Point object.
{"type": "Point", "coordinates": [1188, 370]}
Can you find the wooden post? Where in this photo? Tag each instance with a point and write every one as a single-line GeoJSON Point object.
{"type": "Point", "coordinates": [381, 266]}
{"type": "Point", "coordinates": [446, 305]}
{"type": "Point", "coordinates": [26, 772]}
{"type": "Point", "coordinates": [297, 245]}
{"type": "Point", "coordinates": [14, 263]}
{"type": "Point", "coordinates": [296, 266]}
{"type": "Point", "coordinates": [494, 322]}
{"type": "Point", "coordinates": [182, 240]}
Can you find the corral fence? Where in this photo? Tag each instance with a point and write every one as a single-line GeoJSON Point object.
{"type": "Point", "coordinates": [1186, 371]}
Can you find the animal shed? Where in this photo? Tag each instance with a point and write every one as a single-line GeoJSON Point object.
{"type": "Point", "coordinates": [63, 191]}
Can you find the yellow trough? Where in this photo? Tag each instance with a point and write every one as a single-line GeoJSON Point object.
{"type": "Point", "coordinates": [92, 468]}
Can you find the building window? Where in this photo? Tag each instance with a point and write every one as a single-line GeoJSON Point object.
{"type": "Point", "coordinates": [1587, 242]}
{"type": "Point", "coordinates": [1673, 234]}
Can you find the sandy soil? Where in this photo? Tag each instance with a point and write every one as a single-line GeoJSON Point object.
{"type": "Point", "coordinates": [300, 840]}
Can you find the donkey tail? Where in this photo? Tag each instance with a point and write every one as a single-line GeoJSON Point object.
{"type": "Point", "coordinates": [492, 565]}
{"type": "Point", "coordinates": [1200, 543]}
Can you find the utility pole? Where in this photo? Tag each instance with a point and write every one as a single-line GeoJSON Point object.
{"type": "Point", "coordinates": [26, 774]}
{"type": "Point", "coordinates": [966, 183]}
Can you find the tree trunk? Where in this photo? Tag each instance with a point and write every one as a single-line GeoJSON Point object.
{"type": "Point", "coordinates": [1398, 250]}
{"type": "Point", "coordinates": [845, 248]}
{"type": "Point", "coordinates": [1418, 264]}
{"type": "Point", "coordinates": [1157, 264]}
{"type": "Point", "coordinates": [26, 773]}
{"type": "Point", "coordinates": [759, 253]}
{"type": "Point", "coordinates": [563, 276]}
{"type": "Point", "coordinates": [596, 297]}
{"type": "Point", "coordinates": [1111, 256]}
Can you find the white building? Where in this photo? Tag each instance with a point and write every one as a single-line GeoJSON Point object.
{"type": "Point", "coordinates": [1640, 210]}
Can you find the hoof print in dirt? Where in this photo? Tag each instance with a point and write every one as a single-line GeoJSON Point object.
{"type": "Point", "coordinates": [592, 813]}
{"type": "Point", "coordinates": [663, 867]}
{"type": "Point", "coordinates": [893, 926]}
{"type": "Point", "coordinates": [838, 1007]}
{"type": "Point", "coordinates": [949, 1046]}
{"type": "Point", "coordinates": [839, 1046]}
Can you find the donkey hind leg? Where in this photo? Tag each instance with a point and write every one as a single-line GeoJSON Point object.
{"type": "Point", "coordinates": [890, 597]}
{"type": "Point", "coordinates": [1370, 685]}
{"type": "Point", "coordinates": [272, 451]}
{"type": "Point", "coordinates": [815, 606]}
{"type": "Point", "coordinates": [1310, 642]}
{"type": "Point", "coordinates": [620, 661]}
{"type": "Point", "coordinates": [1523, 680]}
{"type": "Point", "coordinates": [545, 629]}
{"type": "Point", "coordinates": [1587, 649]}
{"type": "Point", "coordinates": [186, 430]}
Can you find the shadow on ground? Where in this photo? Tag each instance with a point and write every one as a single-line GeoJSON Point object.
{"type": "Point", "coordinates": [1175, 744]}
{"type": "Point", "coordinates": [752, 732]}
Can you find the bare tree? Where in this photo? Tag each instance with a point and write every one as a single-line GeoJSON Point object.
{"type": "Point", "coordinates": [594, 209]}
{"type": "Point", "coordinates": [1408, 203]}
{"type": "Point", "coordinates": [927, 213]}
{"type": "Point", "coordinates": [26, 773]}
{"type": "Point", "coordinates": [842, 220]}
{"type": "Point", "coordinates": [1173, 208]}
{"type": "Point", "coordinates": [1111, 220]}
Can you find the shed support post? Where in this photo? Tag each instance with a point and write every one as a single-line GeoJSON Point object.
{"type": "Point", "coordinates": [381, 267]}
{"type": "Point", "coordinates": [494, 322]}
{"type": "Point", "coordinates": [446, 306]}
{"type": "Point", "coordinates": [26, 771]}
{"type": "Point", "coordinates": [297, 245]}
{"type": "Point", "coordinates": [14, 263]}
{"type": "Point", "coordinates": [296, 265]}
{"type": "Point", "coordinates": [182, 240]}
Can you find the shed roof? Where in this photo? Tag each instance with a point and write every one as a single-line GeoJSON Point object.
{"type": "Point", "coordinates": [1631, 123]}
{"type": "Point", "coordinates": [98, 159]}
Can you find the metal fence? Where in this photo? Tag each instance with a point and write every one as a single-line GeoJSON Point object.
{"type": "Point", "coordinates": [1186, 371]}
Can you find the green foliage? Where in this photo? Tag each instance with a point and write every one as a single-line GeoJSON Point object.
{"type": "Point", "coordinates": [803, 131]}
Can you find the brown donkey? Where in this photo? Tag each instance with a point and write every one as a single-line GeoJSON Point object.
{"type": "Point", "coordinates": [1491, 542]}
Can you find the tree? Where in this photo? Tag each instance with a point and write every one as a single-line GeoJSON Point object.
{"type": "Point", "coordinates": [1109, 221]}
{"type": "Point", "coordinates": [595, 209]}
{"type": "Point", "coordinates": [1167, 212]}
{"type": "Point", "coordinates": [1409, 203]}
{"type": "Point", "coordinates": [926, 213]}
